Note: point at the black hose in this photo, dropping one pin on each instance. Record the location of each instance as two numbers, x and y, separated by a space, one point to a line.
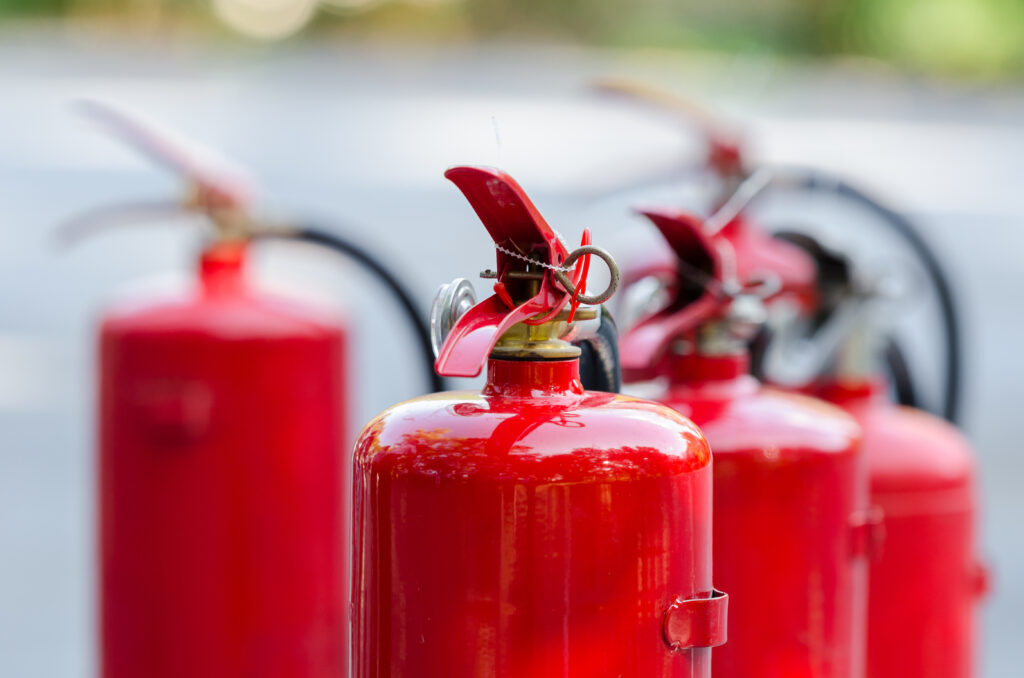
600 368
758 348
818 182
899 373
324 238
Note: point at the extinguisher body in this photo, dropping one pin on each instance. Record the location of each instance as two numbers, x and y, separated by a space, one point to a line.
789 495
533 529
221 521
926 580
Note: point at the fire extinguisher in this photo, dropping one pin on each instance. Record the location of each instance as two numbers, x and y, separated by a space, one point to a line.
922 472
791 529
222 517
532 528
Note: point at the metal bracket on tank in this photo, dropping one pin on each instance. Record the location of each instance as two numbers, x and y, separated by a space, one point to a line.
867 532
173 411
696 622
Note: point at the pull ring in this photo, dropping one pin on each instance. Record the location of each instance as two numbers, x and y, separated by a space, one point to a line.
567 284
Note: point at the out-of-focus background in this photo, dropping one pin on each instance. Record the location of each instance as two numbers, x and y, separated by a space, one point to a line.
348 111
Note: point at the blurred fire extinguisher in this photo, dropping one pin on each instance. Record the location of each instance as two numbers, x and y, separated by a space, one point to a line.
921 620
922 609
222 515
533 528
791 526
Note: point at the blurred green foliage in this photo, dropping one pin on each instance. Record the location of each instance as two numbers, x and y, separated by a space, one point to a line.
975 38
979 37
34 7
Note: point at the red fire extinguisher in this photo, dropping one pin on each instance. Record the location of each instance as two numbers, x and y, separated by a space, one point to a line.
533 528
790 493
222 517
927 579
921 620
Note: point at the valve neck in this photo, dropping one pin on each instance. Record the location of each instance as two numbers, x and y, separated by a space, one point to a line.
533 378
222 268
544 341
685 368
851 391
721 336
856 359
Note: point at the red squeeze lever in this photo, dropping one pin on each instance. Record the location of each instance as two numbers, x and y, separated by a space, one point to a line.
516 226
643 347
217 183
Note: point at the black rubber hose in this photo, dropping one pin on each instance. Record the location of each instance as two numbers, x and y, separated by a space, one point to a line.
899 373
817 182
324 238
600 368
758 347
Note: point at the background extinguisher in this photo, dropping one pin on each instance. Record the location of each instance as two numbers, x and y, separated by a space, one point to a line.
927 579
533 528
791 530
222 468
834 343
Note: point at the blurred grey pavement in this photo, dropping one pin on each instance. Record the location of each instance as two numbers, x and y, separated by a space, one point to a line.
357 136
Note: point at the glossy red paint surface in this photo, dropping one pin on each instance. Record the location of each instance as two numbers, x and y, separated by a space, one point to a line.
533 529
788 487
926 581
222 525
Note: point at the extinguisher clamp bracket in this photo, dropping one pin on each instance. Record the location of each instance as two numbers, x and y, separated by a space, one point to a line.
691 623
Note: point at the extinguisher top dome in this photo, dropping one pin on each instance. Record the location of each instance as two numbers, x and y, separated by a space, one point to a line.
538 288
216 187
223 194
710 311
522 334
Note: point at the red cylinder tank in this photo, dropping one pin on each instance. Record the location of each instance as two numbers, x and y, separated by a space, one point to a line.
926 580
534 528
222 525
790 491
